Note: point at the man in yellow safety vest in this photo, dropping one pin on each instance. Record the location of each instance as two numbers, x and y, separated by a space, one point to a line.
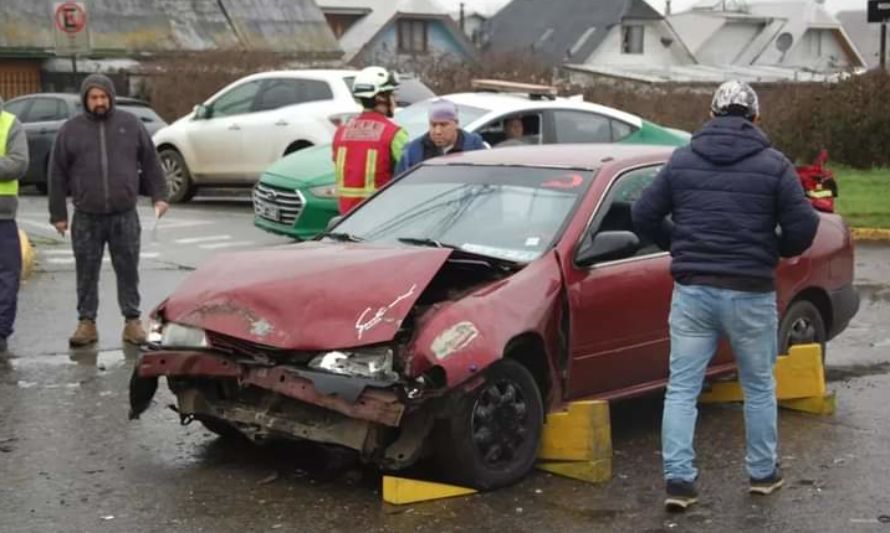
13 165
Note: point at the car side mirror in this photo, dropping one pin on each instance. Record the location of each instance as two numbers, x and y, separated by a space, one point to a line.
201 112
333 222
608 246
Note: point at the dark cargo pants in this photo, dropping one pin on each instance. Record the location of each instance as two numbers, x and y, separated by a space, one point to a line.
10 271
89 234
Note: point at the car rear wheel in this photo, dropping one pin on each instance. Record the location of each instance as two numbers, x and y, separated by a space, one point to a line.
802 324
179 179
491 439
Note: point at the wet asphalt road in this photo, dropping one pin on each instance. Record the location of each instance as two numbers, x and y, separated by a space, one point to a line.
70 460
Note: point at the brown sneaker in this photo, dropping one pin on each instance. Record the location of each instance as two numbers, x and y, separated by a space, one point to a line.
84 334
133 332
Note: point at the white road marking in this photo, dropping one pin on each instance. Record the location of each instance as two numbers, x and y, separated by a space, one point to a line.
225 245
60 251
209 238
166 223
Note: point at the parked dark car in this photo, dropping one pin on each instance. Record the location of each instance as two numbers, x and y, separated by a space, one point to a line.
452 310
42 115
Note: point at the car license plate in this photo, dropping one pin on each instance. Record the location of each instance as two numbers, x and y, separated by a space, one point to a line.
265 210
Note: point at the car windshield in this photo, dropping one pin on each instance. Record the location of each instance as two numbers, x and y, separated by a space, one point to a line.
414 118
511 213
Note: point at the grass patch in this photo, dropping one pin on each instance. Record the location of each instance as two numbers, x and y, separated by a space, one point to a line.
863 196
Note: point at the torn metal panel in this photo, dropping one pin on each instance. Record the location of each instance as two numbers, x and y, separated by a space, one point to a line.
467 335
312 297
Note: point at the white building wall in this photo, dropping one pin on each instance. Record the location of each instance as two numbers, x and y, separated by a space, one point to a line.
819 49
654 53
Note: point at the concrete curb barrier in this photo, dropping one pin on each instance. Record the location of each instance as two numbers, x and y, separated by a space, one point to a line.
28 255
870 234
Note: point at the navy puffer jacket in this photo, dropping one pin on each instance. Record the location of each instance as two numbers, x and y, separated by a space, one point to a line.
727 192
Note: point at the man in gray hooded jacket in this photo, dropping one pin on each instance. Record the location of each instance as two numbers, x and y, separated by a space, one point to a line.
100 158
13 165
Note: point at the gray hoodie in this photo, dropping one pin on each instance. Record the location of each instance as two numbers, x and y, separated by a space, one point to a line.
13 165
97 160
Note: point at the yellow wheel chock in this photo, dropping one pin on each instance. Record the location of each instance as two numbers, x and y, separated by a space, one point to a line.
800 383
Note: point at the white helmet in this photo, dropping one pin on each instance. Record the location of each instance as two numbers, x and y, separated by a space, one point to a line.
372 81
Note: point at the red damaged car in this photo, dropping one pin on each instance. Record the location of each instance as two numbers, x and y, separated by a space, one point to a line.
449 313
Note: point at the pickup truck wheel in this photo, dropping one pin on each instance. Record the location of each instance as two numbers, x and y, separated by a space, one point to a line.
491 439
179 179
802 324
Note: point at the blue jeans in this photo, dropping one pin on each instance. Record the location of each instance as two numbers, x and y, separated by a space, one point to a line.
699 316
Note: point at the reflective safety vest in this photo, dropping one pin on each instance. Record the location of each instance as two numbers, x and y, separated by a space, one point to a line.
7 188
363 157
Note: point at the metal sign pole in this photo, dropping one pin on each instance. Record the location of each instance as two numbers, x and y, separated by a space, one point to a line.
884 45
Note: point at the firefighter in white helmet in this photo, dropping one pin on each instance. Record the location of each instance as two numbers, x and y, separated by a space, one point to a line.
368 147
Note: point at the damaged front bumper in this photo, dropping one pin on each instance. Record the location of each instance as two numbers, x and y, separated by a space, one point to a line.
355 397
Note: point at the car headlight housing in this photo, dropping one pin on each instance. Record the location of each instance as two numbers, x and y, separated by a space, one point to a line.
324 191
178 335
371 363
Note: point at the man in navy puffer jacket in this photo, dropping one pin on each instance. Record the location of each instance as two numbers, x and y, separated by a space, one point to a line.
736 206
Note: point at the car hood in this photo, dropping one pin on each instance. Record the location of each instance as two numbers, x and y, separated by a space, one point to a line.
310 296
306 168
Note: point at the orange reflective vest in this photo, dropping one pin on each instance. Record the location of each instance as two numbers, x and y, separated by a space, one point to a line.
363 157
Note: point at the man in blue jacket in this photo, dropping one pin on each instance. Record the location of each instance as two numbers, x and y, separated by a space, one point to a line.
727 192
444 137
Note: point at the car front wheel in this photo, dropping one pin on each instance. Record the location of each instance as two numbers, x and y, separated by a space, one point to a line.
491 438
176 172
802 324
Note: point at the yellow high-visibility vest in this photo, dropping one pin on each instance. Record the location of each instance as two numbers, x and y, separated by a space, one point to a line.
7 188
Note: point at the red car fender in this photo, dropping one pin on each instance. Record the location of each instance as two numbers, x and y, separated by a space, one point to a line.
464 337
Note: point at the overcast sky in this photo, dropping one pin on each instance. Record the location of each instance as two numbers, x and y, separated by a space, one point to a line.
677 5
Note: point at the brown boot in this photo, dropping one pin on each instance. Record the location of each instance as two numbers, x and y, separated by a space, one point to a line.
84 334
133 332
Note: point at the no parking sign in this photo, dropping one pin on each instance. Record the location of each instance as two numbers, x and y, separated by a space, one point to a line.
71 28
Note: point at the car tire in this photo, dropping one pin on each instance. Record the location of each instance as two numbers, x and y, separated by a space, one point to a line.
802 324
179 179
219 426
492 436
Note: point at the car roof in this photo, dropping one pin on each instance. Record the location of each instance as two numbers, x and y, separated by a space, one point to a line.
577 156
316 73
74 97
507 102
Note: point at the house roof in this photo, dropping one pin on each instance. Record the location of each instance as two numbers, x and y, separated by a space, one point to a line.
704 74
551 30
379 13
698 26
865 35
297 27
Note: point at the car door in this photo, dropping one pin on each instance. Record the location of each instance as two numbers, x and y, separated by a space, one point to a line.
216 139
267 131
619 309
41 122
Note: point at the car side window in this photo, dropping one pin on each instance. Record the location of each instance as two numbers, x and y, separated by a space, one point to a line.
46 110
278 93
18 108
316 91
513 130
614 213
237 101
581 127
621 130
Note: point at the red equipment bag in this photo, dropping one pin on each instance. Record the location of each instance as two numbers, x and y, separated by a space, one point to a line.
818 183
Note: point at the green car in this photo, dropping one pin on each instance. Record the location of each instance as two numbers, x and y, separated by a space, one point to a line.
296 195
